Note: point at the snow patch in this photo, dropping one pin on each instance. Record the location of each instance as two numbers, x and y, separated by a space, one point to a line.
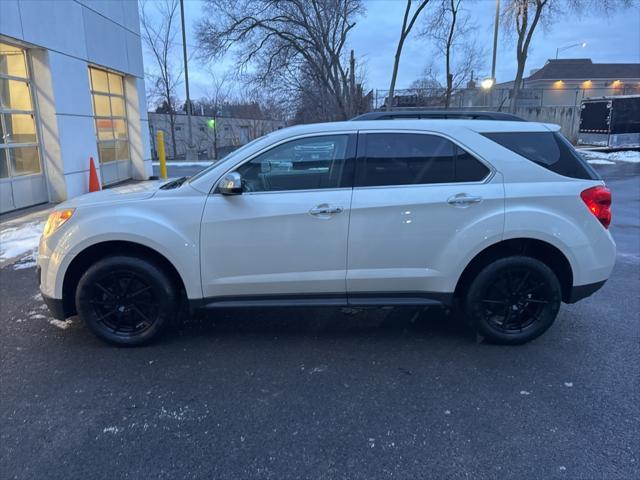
113 430
608 158
21 242
28 261
568 384
61 324
524 392
598 161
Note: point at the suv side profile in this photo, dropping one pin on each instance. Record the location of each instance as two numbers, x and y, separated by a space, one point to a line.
502 219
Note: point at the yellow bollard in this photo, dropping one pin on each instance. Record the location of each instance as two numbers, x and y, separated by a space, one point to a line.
161 155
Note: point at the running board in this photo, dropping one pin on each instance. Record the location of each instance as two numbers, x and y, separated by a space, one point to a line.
434 299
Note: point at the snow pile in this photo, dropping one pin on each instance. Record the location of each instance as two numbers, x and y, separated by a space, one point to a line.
610 158
20 242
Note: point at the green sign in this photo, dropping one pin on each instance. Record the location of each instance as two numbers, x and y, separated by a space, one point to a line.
211 123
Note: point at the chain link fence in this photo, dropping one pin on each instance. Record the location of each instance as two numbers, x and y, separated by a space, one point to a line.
559 105
496 98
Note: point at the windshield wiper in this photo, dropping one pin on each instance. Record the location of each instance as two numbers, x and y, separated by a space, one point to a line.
174 183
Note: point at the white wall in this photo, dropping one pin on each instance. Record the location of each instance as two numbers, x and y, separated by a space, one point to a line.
64 37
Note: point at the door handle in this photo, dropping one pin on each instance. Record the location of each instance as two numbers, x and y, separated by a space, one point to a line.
463 200
325 209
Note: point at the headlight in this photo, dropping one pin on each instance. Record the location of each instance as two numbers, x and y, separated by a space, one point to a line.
56 220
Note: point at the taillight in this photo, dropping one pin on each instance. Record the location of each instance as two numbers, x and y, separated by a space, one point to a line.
598 201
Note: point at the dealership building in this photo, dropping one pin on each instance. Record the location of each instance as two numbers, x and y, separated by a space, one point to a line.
71 88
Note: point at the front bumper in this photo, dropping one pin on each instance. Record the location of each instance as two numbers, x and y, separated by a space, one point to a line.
55 305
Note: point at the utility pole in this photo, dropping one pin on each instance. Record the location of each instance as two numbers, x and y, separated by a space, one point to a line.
495 41
353 107
189 151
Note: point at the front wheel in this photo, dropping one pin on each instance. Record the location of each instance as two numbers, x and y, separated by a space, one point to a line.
127 301
513 300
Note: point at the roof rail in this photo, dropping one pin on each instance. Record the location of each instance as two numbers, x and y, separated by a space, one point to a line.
438 114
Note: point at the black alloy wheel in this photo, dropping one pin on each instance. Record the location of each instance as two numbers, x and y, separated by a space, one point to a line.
514 300
126 300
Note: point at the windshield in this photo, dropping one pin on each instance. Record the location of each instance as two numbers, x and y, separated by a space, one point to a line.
227 157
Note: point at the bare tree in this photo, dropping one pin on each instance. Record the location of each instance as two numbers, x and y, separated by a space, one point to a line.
408 22
427 89
521 17
429 78
278 37
449 26
159 30
525 16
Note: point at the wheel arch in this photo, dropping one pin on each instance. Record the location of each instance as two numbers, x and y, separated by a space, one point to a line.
547 253
97 251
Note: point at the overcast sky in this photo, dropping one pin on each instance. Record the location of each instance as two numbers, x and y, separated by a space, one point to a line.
609 40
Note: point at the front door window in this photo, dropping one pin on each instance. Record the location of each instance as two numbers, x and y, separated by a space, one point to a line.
305 164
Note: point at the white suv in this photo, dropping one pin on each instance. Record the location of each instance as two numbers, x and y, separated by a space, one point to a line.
503 219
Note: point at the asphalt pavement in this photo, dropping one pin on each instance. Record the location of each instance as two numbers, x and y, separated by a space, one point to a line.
330 393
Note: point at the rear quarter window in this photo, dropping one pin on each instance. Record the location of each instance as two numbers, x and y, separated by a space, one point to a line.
547 149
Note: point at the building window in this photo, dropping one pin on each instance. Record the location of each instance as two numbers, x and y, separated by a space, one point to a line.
107 94
19 153
244 134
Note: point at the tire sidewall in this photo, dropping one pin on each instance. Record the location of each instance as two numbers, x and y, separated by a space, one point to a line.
488 274
158 280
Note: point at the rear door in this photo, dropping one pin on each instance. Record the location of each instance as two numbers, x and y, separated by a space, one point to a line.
286 234
420 204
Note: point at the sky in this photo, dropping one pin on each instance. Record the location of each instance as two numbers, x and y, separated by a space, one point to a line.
613 39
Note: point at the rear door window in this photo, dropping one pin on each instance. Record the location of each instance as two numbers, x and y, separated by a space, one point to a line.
549 150
414 159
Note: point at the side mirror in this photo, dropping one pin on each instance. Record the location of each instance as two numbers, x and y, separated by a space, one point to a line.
231 184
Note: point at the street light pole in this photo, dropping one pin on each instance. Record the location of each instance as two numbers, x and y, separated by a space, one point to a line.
495 41
562 49
186 81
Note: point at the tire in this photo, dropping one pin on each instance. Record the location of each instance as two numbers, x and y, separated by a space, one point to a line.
513 300
126 301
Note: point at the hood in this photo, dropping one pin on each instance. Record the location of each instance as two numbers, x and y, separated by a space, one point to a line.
123 193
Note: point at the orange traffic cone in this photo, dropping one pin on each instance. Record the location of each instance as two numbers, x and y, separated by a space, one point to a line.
94 183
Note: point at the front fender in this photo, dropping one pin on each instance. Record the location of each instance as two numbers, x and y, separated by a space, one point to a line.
156 226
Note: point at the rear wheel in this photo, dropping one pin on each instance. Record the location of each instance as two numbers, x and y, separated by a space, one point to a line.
126 300
513 300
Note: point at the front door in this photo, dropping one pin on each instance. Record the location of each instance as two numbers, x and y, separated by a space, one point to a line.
286 234
420 204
